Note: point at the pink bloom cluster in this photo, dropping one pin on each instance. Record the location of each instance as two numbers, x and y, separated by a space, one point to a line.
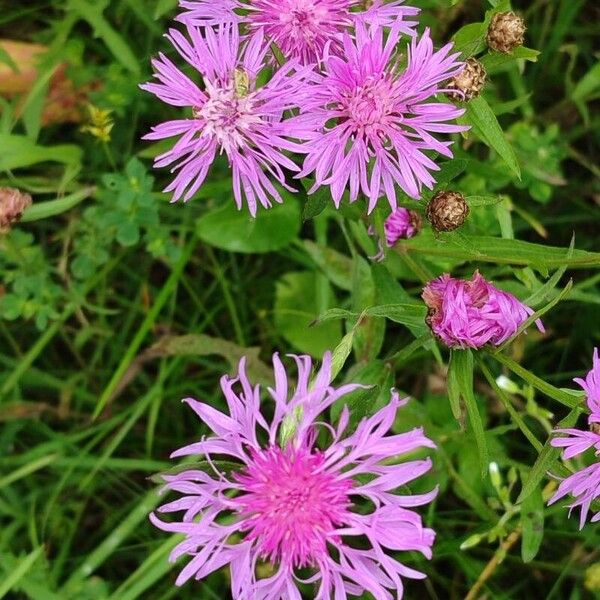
291 501
470 314
338 90
584 485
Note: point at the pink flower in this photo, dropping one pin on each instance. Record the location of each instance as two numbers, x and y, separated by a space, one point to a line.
591 386
369 123
301 29
401 224
230 114
295 503
470 314
584 485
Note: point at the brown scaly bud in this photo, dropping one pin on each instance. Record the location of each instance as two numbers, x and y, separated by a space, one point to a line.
12 205
469 82
447 211
506 32
595 428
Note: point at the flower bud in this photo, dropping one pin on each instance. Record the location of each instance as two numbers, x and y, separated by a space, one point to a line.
469 82
447 211
12 205
595 428
506 32
402 224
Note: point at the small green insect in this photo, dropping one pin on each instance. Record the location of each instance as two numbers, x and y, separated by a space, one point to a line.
242 83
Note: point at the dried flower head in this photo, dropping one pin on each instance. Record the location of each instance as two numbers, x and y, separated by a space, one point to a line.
447 211
13 203
402 224
469 82
506 32
470 314
231 114
301 29
296 504
369 125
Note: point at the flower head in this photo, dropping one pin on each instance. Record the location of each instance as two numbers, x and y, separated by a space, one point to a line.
591 386
293 502
230 115
402 224
584 485
470 314
372 122
301 29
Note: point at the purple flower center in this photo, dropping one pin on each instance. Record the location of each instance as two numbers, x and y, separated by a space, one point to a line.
301 28
226 115
366 108
291 505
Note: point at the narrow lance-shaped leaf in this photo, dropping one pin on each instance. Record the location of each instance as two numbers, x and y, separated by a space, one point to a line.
483 119
461 372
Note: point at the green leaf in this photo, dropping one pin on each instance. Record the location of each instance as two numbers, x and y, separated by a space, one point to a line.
103 29
51 208
570 399
504 251
532 522
482 117
477 201
450 170
587 85
163 7
336 266
235 230
470 39
295 311
20 570
496 60
128 233
19 151
546 459
411 315
317 203
341 353
460 372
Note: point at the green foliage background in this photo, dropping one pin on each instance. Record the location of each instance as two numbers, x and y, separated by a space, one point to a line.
116 304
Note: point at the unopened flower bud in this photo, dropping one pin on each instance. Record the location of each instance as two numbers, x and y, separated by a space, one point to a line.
506 32
595 428
447 211
12 205
469 82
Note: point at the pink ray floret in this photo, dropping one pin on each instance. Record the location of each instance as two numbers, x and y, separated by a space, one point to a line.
301 29
584 485
296 504
230 114
369 122
470 314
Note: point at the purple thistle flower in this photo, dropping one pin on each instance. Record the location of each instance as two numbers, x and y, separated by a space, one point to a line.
369 122
584 485
230 114
290 501
301 29
470 314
